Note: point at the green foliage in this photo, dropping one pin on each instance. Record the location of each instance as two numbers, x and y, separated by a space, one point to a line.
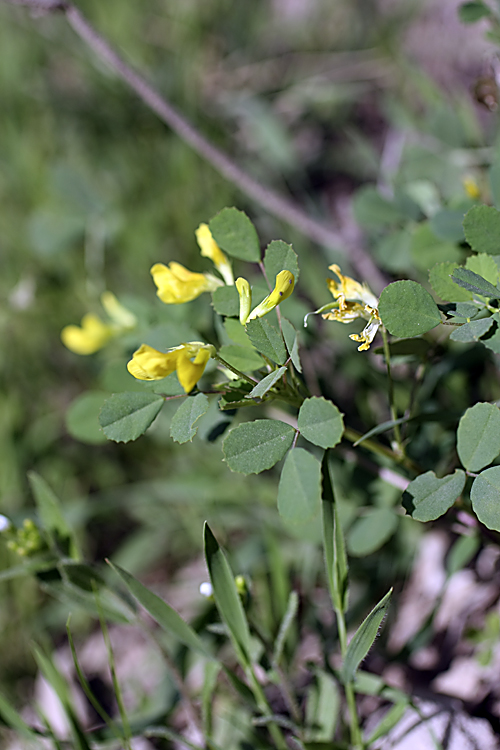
166 617
278 257
482 229
407 309
485 497
473 11
440 278
475 283
267 340
253 447
226 301
183 426
235 234
82 418
226 597
126 416
241 357
320 422
371 531
266 383
364 637
299 491
478 436
428 498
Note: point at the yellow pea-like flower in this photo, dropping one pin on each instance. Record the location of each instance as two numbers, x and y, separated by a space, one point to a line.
88 338
352 300
285 282
210 249
245 293
93 333
176 284
188 360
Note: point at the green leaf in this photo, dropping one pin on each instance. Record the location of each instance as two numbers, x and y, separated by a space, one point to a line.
333 542
253 447
478 436
493 342
126 416
444 286
280 257
372 210
462 552
484 265
371 531
226 596
447 225
226 301
391 718
320 422
485 497
51 516
407 309
13 719
363 639
482 229
473 11
237 333
494 180
299 491
235 234
426 249
267 339
292 342
166 617
61 687
241 357
82 418
182 426
322 708
266 383
428 498
475 283
472 331
285 626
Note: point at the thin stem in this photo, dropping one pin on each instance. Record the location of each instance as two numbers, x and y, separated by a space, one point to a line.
355 731
390 387
264 706
225 364
282 208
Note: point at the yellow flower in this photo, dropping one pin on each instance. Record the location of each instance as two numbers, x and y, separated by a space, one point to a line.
352 300
285 282
188 360
210 249
471 187
93 334
176 284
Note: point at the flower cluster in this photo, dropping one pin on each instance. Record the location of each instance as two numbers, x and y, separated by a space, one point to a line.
352 300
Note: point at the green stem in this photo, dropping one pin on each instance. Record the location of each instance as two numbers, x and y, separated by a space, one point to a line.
356 739
234 370
390 385
274 729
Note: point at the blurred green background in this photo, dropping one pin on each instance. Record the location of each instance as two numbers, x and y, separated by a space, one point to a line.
306 96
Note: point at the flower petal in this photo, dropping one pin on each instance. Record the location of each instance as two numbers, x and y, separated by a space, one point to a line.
176 284
367 334
91 337
150 364
118 314
245 293
189 372
210 249
285 282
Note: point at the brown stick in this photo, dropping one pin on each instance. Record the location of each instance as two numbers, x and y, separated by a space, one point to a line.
283 208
